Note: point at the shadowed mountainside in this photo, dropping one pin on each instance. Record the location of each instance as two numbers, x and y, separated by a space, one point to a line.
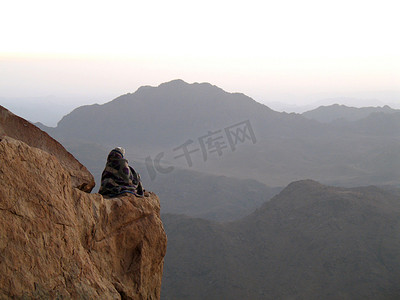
284 148
340 113
309 242
210 197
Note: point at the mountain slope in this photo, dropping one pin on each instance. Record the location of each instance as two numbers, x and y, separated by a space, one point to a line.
167 115
217 198
336 112
309 242
230 134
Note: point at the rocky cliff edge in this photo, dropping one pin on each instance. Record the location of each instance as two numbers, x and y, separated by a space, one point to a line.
18 128
58 241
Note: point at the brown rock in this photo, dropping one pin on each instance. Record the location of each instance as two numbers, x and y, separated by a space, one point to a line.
20 129
57 241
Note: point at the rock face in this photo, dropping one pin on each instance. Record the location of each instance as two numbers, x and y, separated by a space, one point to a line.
57 241
20 129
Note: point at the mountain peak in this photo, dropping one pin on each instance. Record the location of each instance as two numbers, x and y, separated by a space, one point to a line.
181 84
305 183
174 83
311 195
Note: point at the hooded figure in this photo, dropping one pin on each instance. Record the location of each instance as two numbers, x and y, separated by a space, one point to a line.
118 177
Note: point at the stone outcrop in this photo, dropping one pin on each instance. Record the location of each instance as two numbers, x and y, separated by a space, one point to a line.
59 242
20 129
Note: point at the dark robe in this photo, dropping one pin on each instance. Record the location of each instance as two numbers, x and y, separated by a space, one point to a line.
118 177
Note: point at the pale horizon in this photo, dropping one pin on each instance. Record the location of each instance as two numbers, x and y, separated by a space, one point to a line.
286 52
50 109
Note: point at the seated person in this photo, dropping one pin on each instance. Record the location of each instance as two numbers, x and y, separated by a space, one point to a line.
118 177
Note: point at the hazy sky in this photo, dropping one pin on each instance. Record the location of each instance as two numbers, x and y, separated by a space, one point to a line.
296 51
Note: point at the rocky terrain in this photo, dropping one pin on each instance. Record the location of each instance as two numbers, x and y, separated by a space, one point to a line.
59 241
311 241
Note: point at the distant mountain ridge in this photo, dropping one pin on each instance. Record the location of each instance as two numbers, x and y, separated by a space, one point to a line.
166 114
286 147
309 242
336 112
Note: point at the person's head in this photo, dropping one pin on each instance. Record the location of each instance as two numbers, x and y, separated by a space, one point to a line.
120 150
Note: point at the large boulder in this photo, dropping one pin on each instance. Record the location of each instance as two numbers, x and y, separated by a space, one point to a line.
57 241
20 129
